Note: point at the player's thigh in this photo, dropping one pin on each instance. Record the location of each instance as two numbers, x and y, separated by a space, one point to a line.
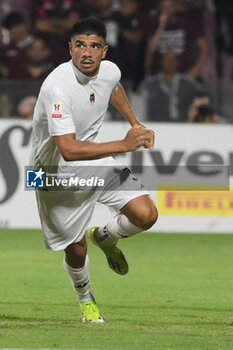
122 187
64 217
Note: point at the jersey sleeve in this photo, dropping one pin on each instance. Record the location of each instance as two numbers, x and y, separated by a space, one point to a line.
58 106
115 74
117 79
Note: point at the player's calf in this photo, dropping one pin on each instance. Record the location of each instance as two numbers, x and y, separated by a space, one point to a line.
80 280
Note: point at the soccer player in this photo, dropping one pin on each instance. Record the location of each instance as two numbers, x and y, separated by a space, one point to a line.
69 112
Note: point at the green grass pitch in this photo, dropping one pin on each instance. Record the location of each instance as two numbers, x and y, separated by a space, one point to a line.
177 295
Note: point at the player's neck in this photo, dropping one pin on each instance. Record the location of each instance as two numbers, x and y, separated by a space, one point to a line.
81 77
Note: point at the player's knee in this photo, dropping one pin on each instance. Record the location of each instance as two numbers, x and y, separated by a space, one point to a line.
148 217
79 250
76 254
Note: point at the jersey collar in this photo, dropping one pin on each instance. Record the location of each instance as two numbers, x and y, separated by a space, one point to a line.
82 78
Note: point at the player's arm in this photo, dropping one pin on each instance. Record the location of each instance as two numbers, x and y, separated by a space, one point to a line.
72 149
120 101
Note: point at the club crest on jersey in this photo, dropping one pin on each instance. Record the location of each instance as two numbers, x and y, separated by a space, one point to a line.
92 97
56 111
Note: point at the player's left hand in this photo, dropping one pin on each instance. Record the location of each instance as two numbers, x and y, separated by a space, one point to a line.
149 139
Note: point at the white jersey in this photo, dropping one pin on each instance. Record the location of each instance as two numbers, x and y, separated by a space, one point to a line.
70 102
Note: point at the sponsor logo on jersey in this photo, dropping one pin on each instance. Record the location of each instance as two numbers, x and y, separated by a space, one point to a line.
56 107
56 113
92 97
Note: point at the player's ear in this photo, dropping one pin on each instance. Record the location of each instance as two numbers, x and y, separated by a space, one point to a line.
105 51
70 48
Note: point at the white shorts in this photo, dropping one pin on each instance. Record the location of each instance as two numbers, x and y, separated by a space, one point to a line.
65 215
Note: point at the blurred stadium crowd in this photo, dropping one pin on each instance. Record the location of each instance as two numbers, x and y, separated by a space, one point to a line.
176 56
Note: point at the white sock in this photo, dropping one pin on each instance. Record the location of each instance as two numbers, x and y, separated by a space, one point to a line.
104 237
80 280
120 227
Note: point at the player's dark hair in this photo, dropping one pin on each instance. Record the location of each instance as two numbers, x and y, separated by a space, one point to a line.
13 19
89 26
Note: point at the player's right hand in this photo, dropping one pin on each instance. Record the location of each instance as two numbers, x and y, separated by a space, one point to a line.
137 137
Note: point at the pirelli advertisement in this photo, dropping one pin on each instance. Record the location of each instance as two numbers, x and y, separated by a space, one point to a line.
189 175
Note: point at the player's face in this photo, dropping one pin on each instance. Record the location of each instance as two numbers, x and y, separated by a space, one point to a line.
87 51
